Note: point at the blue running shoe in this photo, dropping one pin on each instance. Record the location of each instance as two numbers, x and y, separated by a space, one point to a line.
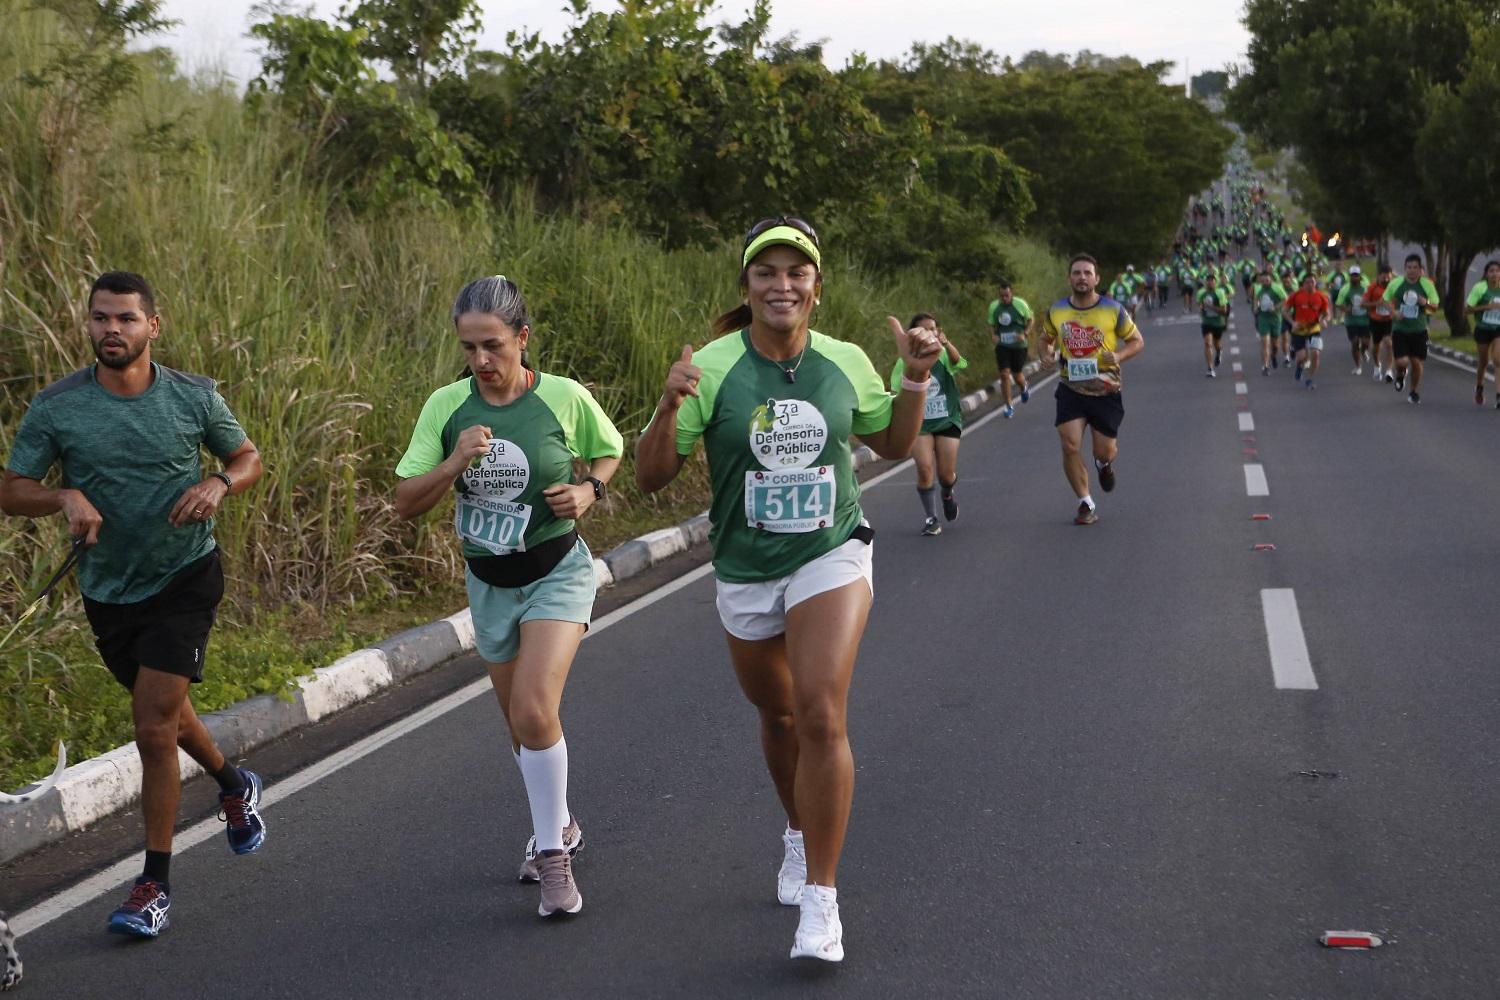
1025 394
241 811
1008 411
144 914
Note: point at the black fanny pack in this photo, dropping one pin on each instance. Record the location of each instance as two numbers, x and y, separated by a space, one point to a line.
522 568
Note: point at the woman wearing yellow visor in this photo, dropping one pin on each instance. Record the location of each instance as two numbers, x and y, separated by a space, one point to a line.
775 404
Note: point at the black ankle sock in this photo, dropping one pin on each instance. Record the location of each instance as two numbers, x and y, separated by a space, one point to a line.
229 777
158 866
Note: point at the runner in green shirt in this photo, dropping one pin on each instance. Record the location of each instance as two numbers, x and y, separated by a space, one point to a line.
1351 302
1268 297
1214 308
127 435
1011 323
942 426
1484 304
1415 299
503 440
775 403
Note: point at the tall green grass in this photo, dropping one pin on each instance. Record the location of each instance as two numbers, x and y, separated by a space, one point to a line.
327 332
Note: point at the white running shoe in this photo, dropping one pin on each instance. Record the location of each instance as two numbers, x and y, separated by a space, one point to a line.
793 874
1376 373
819 933
1358 370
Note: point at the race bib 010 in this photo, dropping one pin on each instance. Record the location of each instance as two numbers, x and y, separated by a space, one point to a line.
498 526
790 501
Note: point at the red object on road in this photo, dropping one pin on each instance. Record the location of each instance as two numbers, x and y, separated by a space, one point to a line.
1260 517
1265 547
1350 939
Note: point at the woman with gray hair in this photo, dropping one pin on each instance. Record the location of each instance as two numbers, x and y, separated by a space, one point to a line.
504 439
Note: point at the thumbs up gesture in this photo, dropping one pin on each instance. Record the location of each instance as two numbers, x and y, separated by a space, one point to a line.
682 379
919 348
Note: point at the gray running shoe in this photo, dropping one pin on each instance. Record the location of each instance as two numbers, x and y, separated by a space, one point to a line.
572 837
1106 476
559 891
931 527
1086 514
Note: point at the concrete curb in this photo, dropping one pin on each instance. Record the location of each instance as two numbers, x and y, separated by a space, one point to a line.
95 788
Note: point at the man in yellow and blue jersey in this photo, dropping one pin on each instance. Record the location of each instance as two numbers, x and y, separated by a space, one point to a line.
1092 335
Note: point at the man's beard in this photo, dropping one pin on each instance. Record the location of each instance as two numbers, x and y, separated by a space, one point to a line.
120 361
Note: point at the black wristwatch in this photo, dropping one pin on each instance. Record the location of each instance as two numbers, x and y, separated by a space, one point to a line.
598 485
224 478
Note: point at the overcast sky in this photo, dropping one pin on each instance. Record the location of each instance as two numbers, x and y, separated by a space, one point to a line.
1206 33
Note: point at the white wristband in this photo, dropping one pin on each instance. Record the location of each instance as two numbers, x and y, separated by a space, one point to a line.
910 386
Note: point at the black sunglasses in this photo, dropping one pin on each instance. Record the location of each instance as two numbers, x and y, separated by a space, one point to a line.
801 225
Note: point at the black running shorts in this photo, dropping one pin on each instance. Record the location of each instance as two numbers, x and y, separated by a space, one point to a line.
1217 332
1010 357
1379 330
168 631
1409 345
951 431
1483 337
1102 413
1357 332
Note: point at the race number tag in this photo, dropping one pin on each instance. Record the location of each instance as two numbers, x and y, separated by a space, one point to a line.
1490 317
1266 304
790 501
1010 339
1316 343
937 401
498 526
1357 307
1409 306
1082 369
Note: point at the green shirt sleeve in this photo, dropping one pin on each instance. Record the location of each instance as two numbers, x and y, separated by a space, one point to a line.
1022 309
425 452
35 446
589 433
994 312
872 411
222 433
1391 289
1476 294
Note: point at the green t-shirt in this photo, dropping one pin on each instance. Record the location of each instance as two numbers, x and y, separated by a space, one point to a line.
1213 306
1352 296
1410 317
1009 321
1483 294
133 457
499 507
943 409
784 491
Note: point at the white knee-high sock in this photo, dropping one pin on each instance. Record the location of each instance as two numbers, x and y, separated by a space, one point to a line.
546 775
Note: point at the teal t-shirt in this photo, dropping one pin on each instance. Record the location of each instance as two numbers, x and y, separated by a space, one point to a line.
779 460
499 508
133 457
1009 321
943 408
1483 294
1410 316
1213 306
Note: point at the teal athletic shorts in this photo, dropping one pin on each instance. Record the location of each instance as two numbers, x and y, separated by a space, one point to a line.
566 595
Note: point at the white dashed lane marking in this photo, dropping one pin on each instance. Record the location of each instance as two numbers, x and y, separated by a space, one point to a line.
1290 664
1255 480
1247 422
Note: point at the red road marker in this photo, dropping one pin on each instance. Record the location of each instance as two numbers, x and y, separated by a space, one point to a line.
1360 940
1264 547
1250 451
1260 517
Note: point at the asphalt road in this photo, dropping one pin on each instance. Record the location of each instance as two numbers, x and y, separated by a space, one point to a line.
1077 776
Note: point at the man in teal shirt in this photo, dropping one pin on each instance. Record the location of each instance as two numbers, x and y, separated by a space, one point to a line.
126 434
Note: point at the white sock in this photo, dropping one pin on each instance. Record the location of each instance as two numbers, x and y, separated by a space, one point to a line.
546 775
822 893
1088 499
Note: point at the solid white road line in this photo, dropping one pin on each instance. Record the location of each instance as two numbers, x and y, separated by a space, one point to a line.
116 875
1247 422
1459 365
1255 480
1290 664
1241 388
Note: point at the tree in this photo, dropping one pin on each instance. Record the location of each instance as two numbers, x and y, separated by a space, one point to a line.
418 39
1211 83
